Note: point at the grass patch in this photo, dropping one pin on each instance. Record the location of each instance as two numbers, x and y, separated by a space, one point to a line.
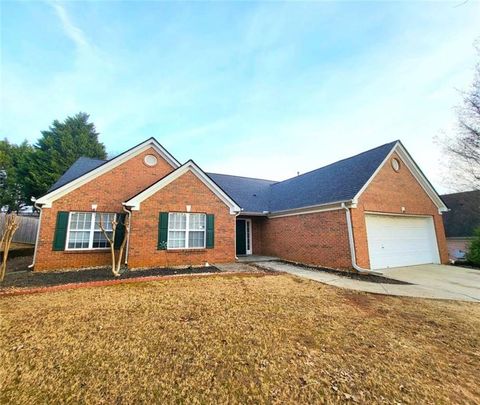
237 340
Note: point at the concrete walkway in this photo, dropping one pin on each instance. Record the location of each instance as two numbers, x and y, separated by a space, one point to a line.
432 281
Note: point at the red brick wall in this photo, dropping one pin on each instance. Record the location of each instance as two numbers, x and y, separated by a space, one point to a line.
108 191
388 192
186 190
318 239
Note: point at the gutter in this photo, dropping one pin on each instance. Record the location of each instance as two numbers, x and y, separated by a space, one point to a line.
351 242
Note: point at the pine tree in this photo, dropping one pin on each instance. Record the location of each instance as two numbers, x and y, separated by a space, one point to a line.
61 145
13 158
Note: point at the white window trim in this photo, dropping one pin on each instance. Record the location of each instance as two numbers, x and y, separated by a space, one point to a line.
187 231
92 231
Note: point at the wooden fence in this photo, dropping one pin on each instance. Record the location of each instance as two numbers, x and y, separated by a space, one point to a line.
27 230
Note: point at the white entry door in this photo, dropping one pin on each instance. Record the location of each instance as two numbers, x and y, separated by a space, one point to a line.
395 241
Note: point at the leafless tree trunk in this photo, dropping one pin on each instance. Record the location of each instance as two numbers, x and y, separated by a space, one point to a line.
11 226
463 149
116 260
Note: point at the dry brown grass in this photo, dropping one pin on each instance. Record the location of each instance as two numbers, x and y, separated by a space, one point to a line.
272 339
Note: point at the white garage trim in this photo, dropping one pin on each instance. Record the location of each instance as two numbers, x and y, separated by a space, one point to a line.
400 240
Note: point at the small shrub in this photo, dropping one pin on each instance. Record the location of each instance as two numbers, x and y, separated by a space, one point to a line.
473 255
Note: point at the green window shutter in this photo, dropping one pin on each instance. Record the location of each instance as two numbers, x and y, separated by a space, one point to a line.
60 236
210 231
120 232
162 231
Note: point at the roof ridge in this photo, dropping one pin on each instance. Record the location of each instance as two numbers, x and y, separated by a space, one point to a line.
90 158
338 161
242 177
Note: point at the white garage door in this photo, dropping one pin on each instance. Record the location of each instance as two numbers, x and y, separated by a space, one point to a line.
395 241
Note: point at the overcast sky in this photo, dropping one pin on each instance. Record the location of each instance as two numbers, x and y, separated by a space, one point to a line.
255 89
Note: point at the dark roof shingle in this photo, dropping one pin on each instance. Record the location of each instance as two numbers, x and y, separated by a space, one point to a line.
251 194
464 214
81 166
339 181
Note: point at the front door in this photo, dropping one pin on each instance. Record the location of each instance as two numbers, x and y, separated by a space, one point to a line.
241 237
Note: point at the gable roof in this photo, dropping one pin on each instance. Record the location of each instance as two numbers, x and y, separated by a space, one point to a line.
342 181
252 195
106 166
81 166
337 182
190 166
464 214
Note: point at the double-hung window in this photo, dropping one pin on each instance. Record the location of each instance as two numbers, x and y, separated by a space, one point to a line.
186 230
84 230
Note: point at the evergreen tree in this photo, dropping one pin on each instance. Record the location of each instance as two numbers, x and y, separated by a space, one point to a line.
61 145
13 158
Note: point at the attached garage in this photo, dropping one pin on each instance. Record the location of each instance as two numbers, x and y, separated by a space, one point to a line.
395 240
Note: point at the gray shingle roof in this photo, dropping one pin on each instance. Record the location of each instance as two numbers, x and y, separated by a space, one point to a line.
464 214
339 181
81 166
251 194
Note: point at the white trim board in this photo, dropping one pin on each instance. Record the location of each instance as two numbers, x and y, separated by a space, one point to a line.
134 203
47 200
311 209
416 172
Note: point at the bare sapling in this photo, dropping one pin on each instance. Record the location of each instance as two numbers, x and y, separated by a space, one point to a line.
11 226
116 258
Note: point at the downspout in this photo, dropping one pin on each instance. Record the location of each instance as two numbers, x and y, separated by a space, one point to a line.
351 242
129 213
38 234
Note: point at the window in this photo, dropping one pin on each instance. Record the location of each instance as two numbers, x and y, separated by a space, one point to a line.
84 230
186 231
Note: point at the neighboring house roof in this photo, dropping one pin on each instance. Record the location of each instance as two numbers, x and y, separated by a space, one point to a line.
251 194
81 166
464 214
135 201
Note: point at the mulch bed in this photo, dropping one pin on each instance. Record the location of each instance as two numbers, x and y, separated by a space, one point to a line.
371 278
30 279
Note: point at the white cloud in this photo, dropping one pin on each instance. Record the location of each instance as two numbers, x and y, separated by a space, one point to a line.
72 31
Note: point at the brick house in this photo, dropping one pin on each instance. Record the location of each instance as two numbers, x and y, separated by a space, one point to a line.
370 211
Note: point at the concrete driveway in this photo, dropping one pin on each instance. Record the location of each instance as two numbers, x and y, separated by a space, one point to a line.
427 281
449 279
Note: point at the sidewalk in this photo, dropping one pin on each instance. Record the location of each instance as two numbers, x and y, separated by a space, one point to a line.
413 290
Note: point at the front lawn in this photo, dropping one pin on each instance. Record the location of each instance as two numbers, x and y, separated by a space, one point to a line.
236 339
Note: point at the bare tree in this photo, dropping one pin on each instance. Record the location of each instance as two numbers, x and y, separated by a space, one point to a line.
463 149
110 237
11 226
